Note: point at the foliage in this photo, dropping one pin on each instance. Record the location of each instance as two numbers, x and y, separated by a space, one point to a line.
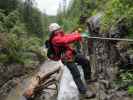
130 89
21 32
70 18
20 50
10 20
127 76
125 80
2 27
78 9
116 11
33 19
9 5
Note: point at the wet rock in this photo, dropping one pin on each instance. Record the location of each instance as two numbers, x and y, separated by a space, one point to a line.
119 95
8 73
6 88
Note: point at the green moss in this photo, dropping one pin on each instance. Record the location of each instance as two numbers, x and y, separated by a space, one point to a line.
130 89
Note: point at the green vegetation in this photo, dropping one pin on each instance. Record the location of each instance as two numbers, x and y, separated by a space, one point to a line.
22 32
114 11
130 89
70 18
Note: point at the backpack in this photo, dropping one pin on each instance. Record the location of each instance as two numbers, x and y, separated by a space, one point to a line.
50 50
51 53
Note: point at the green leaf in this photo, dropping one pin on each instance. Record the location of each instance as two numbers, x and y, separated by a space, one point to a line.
130 89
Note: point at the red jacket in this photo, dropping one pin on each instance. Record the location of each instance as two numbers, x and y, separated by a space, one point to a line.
61 39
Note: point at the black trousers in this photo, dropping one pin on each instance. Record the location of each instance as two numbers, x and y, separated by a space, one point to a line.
84 62
79 59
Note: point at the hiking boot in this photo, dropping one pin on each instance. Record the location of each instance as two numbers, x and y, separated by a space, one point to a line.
87 95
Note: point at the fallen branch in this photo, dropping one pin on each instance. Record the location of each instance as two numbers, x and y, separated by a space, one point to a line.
41 81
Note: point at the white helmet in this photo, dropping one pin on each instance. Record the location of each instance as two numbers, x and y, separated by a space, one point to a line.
54 27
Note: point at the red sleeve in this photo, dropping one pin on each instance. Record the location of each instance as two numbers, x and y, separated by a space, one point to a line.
66 39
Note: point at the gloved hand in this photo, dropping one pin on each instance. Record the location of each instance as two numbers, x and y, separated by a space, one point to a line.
85 35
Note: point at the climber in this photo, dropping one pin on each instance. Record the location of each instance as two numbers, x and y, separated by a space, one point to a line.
59 49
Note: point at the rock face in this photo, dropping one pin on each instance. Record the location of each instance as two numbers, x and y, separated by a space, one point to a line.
6 88
103 58
103 52
8 76
7 72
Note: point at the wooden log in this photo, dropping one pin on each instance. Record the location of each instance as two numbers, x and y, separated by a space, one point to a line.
41 80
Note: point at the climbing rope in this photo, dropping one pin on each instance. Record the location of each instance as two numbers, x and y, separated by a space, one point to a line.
111 39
